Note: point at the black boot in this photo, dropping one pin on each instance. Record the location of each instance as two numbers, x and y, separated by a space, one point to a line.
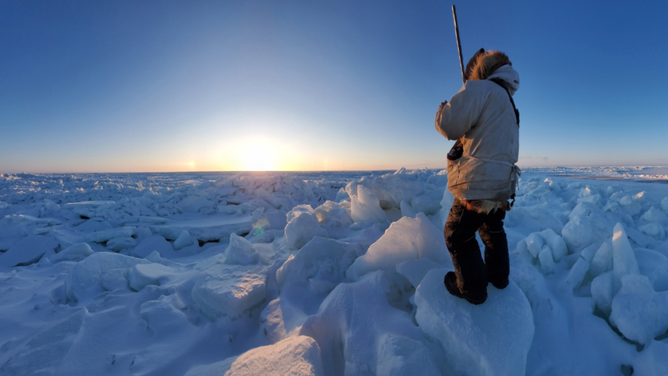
450 281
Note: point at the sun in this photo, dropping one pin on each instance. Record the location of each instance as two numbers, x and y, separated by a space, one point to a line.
258 157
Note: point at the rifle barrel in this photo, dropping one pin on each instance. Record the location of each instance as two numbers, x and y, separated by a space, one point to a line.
459 44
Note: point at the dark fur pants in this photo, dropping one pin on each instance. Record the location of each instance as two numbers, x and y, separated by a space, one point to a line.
460 228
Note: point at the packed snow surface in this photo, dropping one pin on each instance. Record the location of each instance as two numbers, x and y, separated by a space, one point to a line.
327 274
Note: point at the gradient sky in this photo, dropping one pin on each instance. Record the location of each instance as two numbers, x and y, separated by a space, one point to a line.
132 86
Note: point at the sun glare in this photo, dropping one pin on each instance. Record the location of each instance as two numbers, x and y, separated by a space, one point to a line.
259 157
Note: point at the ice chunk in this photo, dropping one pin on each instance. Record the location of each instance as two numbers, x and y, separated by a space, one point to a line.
546 261
581 231
302 226
428 203
577 273
535 243
228 290
351 322
415 270
653 215
489 339
241 252
601 292
589 252
106 235
152 244
406 239
298 355
333 214
602 260
115 279
164 314
654 230
623 259
76 252
406 209
638 312
119 244
85 276
556 243
365 207
320 264
143 275
632 206
654 265
27 251
184 240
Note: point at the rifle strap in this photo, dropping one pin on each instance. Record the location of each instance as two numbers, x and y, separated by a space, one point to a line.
499 82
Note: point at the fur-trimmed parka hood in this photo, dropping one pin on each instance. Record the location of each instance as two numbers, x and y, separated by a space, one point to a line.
485 65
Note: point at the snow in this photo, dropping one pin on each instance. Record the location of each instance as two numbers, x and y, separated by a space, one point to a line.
332 273
296 356
490 339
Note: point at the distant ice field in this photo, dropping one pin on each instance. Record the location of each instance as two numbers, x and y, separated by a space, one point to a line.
327 273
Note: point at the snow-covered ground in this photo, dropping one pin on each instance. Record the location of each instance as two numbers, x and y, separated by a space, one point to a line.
326 274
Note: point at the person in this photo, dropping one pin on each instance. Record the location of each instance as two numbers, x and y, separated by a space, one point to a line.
482 174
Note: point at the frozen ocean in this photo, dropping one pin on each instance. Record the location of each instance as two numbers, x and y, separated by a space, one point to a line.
327 273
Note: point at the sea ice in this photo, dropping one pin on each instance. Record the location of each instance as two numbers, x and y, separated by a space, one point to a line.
493 338
602 292
546 261
352 321
320 265
654 215
76 252
638 312
295 356
27 251
142 275
184 240
535 243
365 207
119 244
654 265
405 239
556 243
428 203
85 276
577 273
623 259
602 260
229 290
241 252
302 226
106 235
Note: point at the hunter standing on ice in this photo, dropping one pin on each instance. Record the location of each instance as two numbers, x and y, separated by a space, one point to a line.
481 173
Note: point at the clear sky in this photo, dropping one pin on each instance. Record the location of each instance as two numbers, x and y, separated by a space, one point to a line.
131 86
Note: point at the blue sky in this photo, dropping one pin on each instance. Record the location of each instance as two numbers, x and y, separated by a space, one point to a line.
318 85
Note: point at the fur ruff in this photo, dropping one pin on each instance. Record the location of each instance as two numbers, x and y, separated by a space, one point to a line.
486 206
486 63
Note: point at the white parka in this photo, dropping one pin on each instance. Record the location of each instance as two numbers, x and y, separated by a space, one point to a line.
482 116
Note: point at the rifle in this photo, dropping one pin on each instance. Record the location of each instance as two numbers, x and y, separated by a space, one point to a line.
458 148
459 44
